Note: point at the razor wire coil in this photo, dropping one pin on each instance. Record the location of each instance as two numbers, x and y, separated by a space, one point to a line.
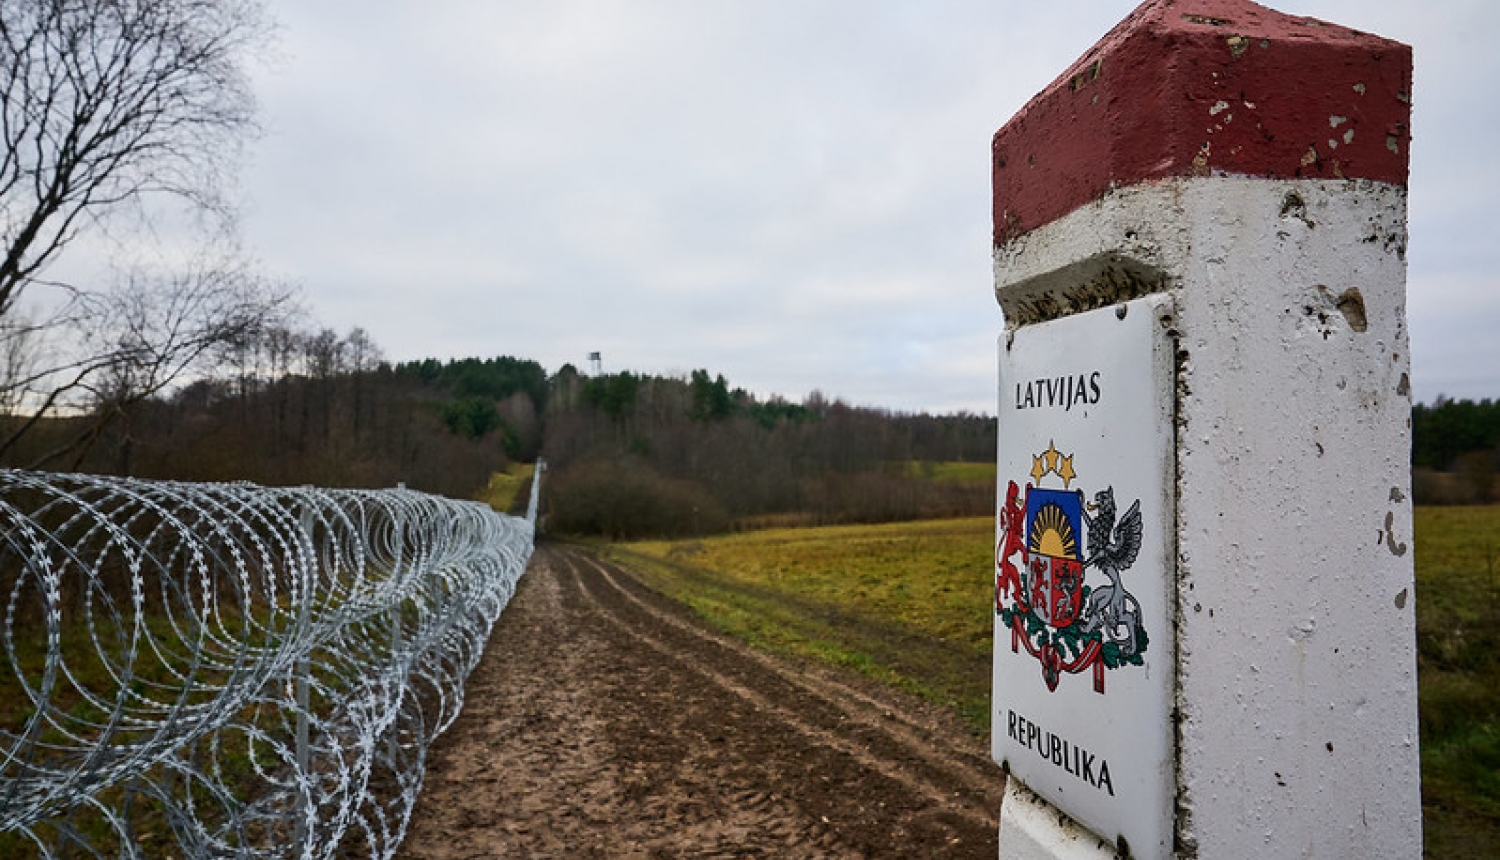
230 670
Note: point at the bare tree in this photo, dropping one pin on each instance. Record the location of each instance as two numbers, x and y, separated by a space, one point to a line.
107 105
127 343
19 359
364 354
103 101
324 355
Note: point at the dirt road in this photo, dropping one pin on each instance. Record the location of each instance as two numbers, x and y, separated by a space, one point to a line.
604 722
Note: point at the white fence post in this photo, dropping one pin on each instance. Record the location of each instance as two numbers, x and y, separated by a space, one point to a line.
1204 612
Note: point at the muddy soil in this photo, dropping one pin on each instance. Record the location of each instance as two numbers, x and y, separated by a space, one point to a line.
605 722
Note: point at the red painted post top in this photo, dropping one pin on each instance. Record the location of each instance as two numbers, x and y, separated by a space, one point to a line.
1202 88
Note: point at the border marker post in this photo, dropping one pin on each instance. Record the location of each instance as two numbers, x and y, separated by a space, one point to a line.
1204 588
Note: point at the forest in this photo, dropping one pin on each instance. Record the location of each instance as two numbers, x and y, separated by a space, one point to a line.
630 455
636 455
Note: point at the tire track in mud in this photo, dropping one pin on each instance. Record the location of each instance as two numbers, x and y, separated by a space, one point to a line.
927 767
605 722
887 645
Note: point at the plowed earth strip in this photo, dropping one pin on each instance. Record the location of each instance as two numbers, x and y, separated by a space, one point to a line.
605 721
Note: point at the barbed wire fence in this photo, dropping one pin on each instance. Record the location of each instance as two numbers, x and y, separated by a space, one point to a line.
230 670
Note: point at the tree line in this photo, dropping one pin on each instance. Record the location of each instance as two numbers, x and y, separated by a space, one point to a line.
629 454
293 407
1455 451
636 455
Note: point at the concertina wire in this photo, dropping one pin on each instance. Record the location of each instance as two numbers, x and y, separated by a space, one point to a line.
229 670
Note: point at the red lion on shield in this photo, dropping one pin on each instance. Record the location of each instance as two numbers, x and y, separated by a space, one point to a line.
1012 541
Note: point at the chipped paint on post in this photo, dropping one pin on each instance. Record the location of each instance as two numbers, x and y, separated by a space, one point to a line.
1205 88
1283 265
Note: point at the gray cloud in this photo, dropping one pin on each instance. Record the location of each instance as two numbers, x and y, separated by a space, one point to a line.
795 195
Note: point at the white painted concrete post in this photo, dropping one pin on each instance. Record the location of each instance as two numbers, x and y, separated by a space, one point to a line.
1236 180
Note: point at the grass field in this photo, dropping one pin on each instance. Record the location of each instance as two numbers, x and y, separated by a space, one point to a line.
906 603
503 491
953 471
1458 664
909 604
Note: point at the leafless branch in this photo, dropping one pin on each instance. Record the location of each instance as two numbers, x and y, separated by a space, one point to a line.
103 101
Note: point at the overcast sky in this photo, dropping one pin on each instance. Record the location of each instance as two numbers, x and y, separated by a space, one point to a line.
793 194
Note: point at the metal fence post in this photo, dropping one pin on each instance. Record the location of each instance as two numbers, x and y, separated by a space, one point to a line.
304 799
536 490
393 743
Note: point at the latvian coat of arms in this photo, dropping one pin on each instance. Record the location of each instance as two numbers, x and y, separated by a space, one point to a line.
1050 542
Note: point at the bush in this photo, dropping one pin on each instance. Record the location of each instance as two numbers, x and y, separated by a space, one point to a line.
1431 487
623 499
889 496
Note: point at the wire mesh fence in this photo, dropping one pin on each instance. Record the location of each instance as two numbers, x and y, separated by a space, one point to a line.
229 670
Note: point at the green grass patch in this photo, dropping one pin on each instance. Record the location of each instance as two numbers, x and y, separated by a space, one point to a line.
504 488
1458 672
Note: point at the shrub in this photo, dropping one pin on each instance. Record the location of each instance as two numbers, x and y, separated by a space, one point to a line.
624 499
1431 487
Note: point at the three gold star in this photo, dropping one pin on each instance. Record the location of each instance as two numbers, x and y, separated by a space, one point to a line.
1054 462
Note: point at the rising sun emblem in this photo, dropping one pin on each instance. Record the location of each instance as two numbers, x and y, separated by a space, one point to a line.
1052 533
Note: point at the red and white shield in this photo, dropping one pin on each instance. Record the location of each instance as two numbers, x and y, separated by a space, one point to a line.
1056 589
1054 563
